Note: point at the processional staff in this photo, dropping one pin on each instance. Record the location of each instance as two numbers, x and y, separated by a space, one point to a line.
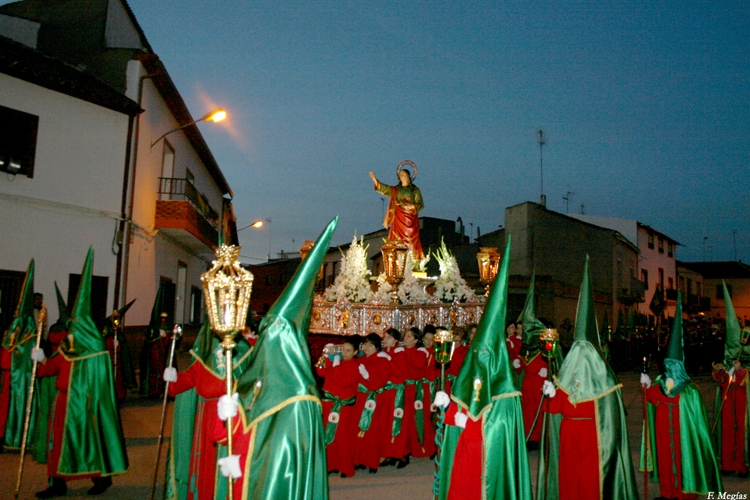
34 364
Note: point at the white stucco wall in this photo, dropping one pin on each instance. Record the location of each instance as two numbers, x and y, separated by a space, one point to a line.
73 200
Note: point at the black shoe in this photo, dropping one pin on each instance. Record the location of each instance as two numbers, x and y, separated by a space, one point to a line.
334 471
432 457
532 446
58 489
373 471
101 484
359 467
343 475
743 475
403 463
388 462
2 444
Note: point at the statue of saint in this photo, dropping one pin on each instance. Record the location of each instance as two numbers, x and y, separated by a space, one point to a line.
405 201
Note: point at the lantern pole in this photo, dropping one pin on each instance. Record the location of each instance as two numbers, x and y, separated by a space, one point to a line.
444 348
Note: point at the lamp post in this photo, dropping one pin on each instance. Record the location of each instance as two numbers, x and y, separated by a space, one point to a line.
226 288
216 115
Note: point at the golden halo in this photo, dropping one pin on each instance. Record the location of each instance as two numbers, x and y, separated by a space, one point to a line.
408 163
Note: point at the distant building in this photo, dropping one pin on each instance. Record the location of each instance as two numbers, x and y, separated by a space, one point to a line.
554 247
736 275
81 80
657 263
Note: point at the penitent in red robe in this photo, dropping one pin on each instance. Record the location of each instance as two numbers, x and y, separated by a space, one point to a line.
415 363
394 446
531 396
668 450
366 444
733 420
341 381
578 473
203 457
466 475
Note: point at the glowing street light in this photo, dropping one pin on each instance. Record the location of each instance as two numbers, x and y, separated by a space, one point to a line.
216 115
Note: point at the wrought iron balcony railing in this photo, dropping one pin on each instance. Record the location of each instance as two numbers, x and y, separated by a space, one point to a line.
181 189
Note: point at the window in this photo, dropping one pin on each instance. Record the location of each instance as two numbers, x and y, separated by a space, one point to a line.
18 132
189 176
670 249
661 245
195 305
720 291
644 278
651 241
660 281
167 172
670 282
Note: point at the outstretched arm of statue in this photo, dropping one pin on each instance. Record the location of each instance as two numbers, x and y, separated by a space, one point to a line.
374 179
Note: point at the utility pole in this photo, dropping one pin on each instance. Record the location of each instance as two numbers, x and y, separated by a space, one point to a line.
705 239
583 209
734 237
542 141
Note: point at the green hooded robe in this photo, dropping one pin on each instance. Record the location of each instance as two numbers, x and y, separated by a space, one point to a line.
585 376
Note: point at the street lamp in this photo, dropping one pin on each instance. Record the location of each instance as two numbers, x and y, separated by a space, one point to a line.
216 115
256 224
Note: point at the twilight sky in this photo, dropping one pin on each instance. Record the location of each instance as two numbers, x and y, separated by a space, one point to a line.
645 106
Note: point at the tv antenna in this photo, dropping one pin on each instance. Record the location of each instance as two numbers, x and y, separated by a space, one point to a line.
542 141
568 196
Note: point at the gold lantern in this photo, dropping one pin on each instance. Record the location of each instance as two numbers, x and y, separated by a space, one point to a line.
445 344
226 288
549 339
488 261
394 259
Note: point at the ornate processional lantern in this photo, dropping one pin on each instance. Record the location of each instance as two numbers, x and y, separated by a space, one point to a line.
549 339
226 288
488 261
394 259
444 346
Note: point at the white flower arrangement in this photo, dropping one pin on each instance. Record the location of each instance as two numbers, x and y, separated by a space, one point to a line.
383 293
411 291
352 284
450 286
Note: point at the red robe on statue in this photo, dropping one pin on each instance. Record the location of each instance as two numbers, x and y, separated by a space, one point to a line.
204 456
733 419
341 381
366 444
578 470
668 450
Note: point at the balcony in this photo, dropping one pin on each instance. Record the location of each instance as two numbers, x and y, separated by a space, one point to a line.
632 294
184 214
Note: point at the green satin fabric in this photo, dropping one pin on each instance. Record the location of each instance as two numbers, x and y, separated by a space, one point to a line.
398 403
288 459
532 327
330 427
451 433
700 469
20 382
733 347
44 399
365 418
615 462
584 375
432 384
418 414
506 468
487 359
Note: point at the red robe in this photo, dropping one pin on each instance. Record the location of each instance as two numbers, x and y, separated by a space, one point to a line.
341 381
415 363
240 446
394 446
578 470
203 457
58 366
531 395
514 344
366 445
668 451
454 367
733 419
5 365
466 475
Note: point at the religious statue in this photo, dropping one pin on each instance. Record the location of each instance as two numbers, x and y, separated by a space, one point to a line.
405 202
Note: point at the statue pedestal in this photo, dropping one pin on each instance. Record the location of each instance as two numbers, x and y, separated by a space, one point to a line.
345 318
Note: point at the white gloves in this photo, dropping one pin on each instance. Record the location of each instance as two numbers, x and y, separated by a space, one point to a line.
230 466
398 349
442 399
645 380
460 419
170 374
543 373
116 343
162 333
731 372
336 361
424 350
227 407
548 388
516 363
363 372
37 354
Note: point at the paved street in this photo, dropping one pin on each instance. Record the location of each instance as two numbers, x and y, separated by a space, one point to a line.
141 427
